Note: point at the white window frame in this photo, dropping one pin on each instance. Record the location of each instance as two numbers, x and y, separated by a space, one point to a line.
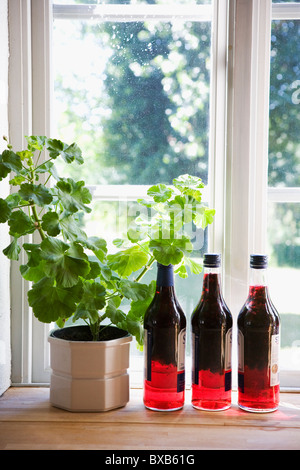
239 144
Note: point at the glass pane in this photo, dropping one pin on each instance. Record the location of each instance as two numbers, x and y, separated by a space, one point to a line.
135 97
284 276
284 144
284 171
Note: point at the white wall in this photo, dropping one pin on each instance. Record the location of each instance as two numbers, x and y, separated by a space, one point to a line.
5 352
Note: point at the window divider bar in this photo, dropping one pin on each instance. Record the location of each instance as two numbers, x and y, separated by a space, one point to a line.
284 194
128 12
286 11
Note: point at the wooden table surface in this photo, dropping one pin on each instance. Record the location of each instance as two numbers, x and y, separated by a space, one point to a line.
29 422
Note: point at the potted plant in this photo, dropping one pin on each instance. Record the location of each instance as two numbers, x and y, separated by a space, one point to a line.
72 276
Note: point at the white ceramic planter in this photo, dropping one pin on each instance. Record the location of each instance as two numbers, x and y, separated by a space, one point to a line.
89 375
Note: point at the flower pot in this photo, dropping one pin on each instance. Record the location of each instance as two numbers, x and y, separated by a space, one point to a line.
89 375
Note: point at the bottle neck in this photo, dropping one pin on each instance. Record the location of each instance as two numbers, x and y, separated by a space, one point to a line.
165 278
258 284
258 277
212 282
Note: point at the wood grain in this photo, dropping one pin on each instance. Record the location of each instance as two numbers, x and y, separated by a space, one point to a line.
29 422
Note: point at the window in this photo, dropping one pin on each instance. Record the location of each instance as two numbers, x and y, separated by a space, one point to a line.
201 75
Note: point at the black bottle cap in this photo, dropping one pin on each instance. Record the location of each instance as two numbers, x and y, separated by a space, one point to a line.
212 260
258 261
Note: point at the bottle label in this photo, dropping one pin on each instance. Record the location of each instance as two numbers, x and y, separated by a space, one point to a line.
274 363
274 373
181 361
228 349
241 361
181 351
195 359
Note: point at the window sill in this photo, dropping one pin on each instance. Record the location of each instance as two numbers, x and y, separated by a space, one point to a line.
29 422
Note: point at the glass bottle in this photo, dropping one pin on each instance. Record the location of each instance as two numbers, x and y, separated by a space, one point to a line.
164 346
258 344
211 342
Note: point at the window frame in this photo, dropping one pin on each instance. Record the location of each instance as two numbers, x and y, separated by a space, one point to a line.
239 100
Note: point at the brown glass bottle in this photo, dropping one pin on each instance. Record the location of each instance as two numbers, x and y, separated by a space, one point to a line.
211 343
164 346
258 344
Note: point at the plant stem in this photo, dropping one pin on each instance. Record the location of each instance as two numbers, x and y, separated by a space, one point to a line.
148 266
38 225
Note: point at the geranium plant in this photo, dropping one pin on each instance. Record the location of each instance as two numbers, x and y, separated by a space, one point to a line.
73 275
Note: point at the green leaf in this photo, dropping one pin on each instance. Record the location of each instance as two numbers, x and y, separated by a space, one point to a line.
181 271
93 299
98 246
12 251
128 261
50 223
135 317
4 211
95 270
160 192
39 194
70 226
69 153
133 290
61 263
113 313
33 273
166 253
9 161
36 142
203 217
51 302
45 167
189 185
73 195
137 232
33 251
17 180
13 200
20 224
194 266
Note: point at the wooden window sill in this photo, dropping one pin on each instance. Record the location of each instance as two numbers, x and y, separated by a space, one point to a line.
29 422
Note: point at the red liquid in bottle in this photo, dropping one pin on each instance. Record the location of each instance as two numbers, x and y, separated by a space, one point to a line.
212 338
258 344
164 348
161 392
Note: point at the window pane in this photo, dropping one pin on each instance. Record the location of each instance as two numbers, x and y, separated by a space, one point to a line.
135 97
284 276
284 144
284 172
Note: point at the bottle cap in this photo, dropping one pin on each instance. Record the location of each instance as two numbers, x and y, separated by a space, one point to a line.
212 260
258 261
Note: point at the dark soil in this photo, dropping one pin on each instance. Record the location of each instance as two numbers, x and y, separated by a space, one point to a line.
83 333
